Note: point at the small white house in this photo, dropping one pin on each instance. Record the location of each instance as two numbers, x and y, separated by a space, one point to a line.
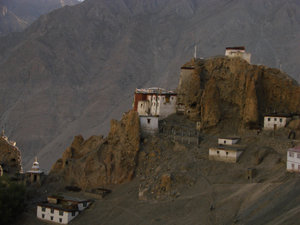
238 52
228 141
149 124
274 121
225 153
293 159
61 209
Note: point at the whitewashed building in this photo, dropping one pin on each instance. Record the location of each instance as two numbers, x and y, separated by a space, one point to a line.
238 52
228 140
149 124
274 121
226 153
293 159
61 209
154 102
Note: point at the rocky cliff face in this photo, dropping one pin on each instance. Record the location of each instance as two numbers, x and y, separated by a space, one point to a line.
100 161
220 90
10 156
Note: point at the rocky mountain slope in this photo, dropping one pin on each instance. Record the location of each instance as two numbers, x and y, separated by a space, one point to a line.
222 89
10 156
77 67
98 161
16 15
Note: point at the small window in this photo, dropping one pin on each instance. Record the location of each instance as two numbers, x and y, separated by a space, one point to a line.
84 204
298 156
226 153
224 142
269 119
52 211
218 152
51 217
60 220
73 213
148 121
43 209
280 120
43 216
293 166
275 119
291 154
61 213
171 98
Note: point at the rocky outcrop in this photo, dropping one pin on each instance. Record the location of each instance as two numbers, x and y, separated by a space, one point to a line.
10 156
222 89
101 161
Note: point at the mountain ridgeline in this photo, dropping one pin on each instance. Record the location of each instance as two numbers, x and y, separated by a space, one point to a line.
77 67
16 15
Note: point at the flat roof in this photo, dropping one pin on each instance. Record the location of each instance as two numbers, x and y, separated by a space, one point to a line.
229 147
277 115
295 149
230 138
66 208
236 48
69 199
154 90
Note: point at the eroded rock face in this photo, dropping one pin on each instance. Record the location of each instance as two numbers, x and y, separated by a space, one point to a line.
223 89
100 161
10 156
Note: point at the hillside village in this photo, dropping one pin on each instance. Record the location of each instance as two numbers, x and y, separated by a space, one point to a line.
221 126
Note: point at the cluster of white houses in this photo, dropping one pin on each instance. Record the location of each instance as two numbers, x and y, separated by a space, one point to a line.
61 209
227 150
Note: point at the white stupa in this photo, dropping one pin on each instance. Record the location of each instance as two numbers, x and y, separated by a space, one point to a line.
35 167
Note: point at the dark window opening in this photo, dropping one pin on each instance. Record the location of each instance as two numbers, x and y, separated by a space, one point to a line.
43 215
52 210
218 152
226 153
269 119
60 220
224 142
275 119
280 120
43 209
51 217
84 204
73 213
34 178
61 213
148 121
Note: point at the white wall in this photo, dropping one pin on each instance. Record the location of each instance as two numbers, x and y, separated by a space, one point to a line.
66 217
143 108
293 158
157 105
149 124
231 156
238 53
227 141
270 121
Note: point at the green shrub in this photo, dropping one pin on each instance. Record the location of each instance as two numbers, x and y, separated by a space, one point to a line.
12 200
